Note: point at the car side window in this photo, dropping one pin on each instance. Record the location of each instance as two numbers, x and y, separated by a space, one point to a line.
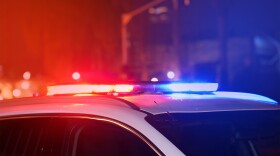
31 137
101 138
54 136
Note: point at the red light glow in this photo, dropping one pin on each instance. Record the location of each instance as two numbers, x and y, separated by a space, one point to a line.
80 89
102 88
69 89
123 88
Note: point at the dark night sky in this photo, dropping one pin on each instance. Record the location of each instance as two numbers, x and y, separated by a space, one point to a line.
242 17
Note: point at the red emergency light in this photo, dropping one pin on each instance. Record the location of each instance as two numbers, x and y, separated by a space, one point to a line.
84 88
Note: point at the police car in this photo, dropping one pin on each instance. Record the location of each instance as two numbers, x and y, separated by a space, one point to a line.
170 119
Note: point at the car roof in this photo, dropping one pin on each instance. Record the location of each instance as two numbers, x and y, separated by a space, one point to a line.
194 103
64 102
86 106
148 103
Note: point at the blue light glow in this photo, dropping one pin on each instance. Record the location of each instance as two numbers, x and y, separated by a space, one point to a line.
192 87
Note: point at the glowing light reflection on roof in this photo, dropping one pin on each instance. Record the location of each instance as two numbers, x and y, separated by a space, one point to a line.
245 96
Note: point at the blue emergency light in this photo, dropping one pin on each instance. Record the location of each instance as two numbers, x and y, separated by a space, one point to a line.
190 87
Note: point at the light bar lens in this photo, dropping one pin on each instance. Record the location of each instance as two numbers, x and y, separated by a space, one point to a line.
80 89
69 89
191 87
102 88
123 88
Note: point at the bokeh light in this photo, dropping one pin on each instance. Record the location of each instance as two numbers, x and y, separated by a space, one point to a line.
26 75
170 75
76 75
154 79
16 92
25 85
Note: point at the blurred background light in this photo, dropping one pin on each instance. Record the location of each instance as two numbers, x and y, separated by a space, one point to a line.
26 75
25 85
16 93
76 76
154 79
170 75
187 2
158 10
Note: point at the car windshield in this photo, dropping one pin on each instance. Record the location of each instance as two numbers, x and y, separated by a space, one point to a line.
222 133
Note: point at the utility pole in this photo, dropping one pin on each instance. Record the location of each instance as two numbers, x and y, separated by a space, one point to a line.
125 19
175 37
222 37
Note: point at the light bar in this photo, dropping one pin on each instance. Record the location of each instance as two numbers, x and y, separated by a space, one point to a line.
135 88
83 89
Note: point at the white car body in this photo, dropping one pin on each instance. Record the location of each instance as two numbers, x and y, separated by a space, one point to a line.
132 110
